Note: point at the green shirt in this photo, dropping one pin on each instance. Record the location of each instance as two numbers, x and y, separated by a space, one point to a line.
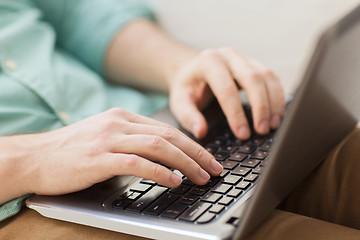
51 65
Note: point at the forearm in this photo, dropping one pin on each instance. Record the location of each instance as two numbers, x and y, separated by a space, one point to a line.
141 55
14 167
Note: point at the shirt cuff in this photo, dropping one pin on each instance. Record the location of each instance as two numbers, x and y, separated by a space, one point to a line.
12 207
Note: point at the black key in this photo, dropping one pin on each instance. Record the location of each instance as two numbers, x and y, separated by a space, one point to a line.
148 181
174 210
134 195
224 173
199 190
140 187
258 170
206 217
226 201
265 146
221 156
227 164
187 181
251 177
243 185
229 148
259 154
257 141
213 181
180 189
235 193
238 157
146 199
231 179
161 204
211 148
216 208
246 149
195 211
219 142
222 188
241 171
252 163
211 197
189 198
121 203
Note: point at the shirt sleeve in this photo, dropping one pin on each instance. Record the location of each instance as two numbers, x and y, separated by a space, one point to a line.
11 208
85 28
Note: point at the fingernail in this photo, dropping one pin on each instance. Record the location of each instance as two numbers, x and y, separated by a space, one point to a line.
204 175
244 132
275 121
264 127
176 179
216 166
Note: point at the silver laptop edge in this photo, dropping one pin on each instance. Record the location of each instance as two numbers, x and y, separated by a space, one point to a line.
322 113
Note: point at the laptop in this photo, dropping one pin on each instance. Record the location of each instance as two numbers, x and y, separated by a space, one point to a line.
258 173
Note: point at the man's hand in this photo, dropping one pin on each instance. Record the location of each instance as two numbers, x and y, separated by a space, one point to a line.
112 143
217 72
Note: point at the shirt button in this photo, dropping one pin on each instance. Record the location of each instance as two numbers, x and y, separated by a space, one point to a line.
11 64
64 116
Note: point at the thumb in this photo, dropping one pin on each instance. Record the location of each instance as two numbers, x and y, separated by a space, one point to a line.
189 116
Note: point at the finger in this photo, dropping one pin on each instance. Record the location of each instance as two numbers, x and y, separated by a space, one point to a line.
182 142
135 118
130 164
275 93
225 90
254 85
188 114
158 149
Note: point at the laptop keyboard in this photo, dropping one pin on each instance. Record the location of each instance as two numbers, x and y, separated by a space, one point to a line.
243 163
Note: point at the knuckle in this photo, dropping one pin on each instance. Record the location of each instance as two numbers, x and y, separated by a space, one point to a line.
227 50
131 161
116 111
199 152
155 142
256 77
157 172
168 133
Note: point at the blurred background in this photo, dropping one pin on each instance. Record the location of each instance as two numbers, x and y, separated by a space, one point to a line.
279 33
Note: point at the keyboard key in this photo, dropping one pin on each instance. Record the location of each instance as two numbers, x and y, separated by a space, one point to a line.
148 181
229 148
211 197
180 189
206 217
241 171
231 179
224 173
227 164
187 181
259 154
211 148
251 177
226 201
257 141
213 181
252 163
174 210
140 187
140 204
134 195
258 170
161 204
235 193
199 190
195 211
121 203
189 199
238 157
243 185
265 146
219 142
216 208
221 156
246 149
222 188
